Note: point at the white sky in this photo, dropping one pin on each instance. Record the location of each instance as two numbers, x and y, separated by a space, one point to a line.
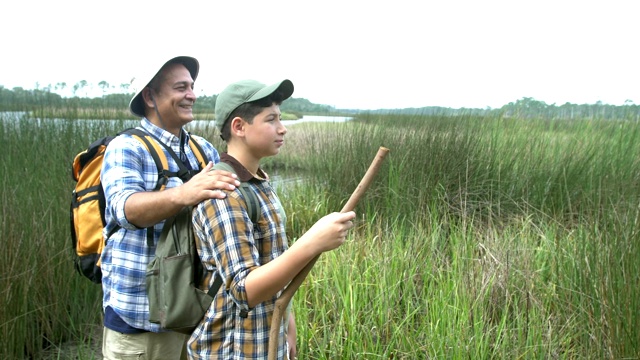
348 54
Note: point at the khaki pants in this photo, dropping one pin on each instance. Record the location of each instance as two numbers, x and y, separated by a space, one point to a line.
144 346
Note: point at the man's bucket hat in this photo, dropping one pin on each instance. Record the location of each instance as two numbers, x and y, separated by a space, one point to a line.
136 104
245 91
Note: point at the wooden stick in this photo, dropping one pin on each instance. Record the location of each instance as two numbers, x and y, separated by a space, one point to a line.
283 301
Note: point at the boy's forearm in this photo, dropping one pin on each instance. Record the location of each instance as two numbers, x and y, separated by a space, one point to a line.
265 281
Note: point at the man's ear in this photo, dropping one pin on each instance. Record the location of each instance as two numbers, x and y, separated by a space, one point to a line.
147 97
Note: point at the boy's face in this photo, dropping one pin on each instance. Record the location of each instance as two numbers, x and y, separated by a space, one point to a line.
266 134
175 98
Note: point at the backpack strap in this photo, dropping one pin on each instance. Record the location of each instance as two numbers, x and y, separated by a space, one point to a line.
203 160
217 282
250 198
153 146
161 164
253 208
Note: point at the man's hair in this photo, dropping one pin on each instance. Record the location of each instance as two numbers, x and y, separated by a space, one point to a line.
248 112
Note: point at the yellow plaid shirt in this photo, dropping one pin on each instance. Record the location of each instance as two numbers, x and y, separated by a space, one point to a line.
229 243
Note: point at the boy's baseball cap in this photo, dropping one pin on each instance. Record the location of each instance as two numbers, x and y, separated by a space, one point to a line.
139 83
245 91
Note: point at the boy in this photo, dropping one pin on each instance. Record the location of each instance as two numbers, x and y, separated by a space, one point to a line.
253 260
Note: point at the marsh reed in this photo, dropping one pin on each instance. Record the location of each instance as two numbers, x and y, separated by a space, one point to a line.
480 238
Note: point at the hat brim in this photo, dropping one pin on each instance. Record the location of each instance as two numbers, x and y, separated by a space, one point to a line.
136 105
285 87
247 91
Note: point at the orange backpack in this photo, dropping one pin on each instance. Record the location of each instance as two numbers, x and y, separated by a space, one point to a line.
88 201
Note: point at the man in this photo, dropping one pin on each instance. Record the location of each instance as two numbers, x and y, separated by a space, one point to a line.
254 260
134 211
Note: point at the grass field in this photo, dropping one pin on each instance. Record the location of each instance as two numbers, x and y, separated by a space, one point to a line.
481 238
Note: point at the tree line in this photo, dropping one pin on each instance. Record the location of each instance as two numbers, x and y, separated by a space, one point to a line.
19 99
529 108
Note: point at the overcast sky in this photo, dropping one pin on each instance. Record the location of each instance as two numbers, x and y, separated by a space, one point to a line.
347 54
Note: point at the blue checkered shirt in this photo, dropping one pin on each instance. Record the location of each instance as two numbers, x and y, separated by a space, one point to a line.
129 168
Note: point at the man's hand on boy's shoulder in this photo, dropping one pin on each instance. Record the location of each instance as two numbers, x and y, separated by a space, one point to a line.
207 185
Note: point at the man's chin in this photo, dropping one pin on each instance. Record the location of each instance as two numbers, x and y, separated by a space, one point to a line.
188 117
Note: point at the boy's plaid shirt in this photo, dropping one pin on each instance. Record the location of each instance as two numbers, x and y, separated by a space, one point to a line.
228 242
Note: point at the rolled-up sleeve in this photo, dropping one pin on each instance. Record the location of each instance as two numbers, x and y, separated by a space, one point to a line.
121 176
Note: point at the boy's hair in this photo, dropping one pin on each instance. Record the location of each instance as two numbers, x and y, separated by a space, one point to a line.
248 111
246 99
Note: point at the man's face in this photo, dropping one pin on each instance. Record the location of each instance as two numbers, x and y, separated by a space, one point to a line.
175 98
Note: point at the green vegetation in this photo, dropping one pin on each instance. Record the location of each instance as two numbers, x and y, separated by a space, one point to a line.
482 237
42 103
529 108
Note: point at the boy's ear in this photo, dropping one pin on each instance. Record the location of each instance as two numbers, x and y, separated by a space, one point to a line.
237 126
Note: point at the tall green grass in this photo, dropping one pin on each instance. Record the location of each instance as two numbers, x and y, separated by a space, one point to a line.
44 302
480 238
515 239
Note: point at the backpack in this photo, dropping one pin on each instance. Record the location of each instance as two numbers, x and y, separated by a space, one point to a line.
173 277
87 213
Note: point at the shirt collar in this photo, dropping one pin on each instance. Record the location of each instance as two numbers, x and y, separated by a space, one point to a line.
165 136
244 175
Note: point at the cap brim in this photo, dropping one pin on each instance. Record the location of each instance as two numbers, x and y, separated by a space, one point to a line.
285 88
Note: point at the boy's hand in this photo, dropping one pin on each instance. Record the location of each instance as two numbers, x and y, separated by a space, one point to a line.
330 231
